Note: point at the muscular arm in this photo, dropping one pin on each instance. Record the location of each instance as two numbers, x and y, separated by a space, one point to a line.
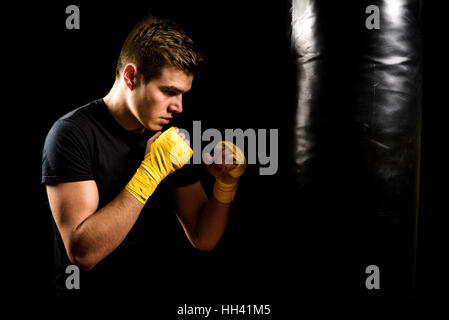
89 234
204 220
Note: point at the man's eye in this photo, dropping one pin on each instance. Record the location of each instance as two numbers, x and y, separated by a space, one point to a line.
170 92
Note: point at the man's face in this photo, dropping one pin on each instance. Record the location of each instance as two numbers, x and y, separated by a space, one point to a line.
154 103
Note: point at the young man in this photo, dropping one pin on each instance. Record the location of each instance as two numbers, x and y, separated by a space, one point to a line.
109 170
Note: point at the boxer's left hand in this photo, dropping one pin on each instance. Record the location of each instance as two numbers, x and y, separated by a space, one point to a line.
226 163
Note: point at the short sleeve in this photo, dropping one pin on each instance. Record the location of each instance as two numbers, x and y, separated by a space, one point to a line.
66 156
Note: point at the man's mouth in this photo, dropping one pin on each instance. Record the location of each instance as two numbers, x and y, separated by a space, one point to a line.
165 120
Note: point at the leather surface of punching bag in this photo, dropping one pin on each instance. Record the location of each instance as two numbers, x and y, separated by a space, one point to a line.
356 137
387 113
387 135
311 166
309 53
308 46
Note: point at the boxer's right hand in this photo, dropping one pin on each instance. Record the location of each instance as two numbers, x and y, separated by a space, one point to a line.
165 153
151 140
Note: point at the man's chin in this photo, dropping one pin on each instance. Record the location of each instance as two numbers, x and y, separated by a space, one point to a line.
155 126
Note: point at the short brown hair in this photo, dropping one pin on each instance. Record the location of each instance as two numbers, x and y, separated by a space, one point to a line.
154 43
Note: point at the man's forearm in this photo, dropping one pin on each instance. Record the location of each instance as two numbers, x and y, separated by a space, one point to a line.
211 224
102 232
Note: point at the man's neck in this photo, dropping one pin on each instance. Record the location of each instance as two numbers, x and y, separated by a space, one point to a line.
116 103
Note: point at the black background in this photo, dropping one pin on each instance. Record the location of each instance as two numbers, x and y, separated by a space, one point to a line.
268 255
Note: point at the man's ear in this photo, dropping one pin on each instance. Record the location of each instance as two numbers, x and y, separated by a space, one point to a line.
130 75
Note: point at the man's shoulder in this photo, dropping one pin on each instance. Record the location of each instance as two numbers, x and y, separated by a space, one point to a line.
76 124
81 118
69 147
83 114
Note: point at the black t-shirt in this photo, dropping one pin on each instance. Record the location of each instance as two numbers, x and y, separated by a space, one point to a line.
88 144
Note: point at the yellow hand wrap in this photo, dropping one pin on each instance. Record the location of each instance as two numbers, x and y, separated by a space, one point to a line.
168 153
225 192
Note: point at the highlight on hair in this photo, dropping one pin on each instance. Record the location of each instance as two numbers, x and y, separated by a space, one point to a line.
155 43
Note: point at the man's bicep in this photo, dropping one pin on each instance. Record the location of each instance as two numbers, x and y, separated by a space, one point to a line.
189 201
71 203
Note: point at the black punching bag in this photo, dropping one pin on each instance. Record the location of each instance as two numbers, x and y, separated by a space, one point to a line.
310 119
356 141
308 45
311 165
386 119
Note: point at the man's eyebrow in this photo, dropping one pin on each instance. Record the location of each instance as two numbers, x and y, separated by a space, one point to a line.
172 88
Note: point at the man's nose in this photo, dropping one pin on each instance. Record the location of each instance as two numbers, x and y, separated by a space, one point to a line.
176 104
